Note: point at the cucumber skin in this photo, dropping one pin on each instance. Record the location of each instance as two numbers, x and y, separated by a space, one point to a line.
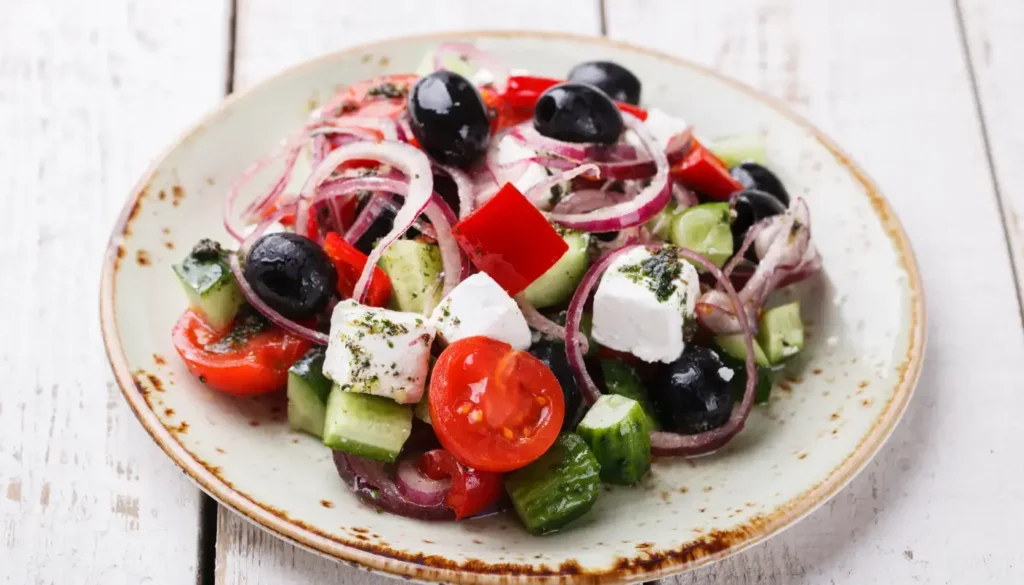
559 487
308 390
620 379
623 449
792 336
560 281
733 346
211 289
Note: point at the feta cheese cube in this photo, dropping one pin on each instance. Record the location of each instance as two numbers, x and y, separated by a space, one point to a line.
511 150
380 352
663 126
644 302
479 306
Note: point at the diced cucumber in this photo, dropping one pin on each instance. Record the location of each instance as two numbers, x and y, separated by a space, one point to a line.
617 432
557 284
705 229
367 426
765 379
558 487
422 408
415 272
733 150
308 390
661 224
782 332
209 285
621 379
733 345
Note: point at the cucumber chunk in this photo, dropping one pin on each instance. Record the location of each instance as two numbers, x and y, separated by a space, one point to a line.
367 426
781 333
733 150
557 284
734 346
422 408
557 488
620 379
661 224
617 432
415 272
308 390
765 379
209 284
705 229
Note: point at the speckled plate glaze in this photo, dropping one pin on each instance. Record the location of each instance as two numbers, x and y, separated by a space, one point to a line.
865 316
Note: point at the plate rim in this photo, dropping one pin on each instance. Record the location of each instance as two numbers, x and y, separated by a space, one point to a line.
643 567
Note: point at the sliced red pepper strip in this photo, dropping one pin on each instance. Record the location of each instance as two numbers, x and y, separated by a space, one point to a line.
349 263
510 240
523 91
704 172
473 491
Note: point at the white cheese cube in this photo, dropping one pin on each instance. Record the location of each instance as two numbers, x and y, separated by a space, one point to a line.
377 351
663 126
479 306
511 150
643 303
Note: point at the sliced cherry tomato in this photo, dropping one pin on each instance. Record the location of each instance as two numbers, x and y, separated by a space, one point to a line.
380 97
523 91
502 113
493 407
493 236
704 172
349 263
472 491
252 358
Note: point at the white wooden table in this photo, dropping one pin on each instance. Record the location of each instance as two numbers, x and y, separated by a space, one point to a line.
927 94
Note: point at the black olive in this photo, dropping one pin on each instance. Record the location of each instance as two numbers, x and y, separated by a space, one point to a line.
754 176
690 395
748 208
291 274
552 355
575 112
449 118
613 79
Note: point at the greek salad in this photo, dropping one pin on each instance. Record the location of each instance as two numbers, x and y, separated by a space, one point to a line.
494 290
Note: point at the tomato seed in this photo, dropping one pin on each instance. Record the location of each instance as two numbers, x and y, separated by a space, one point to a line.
540 400
527 432
465 408
476 416
507 433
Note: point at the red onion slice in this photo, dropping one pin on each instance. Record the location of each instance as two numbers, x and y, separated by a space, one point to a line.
662 443
586 200
540 194
406 159
417 487
264 309
371 482
464 188
638 210
539 322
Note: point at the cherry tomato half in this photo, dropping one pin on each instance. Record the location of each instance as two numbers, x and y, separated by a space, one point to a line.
252 358
494 408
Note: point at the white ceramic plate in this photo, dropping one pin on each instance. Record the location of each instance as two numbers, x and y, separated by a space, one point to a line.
865 316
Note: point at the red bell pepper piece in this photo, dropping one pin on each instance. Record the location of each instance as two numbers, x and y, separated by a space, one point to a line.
472 491
523 91
509 239
704 172
349 263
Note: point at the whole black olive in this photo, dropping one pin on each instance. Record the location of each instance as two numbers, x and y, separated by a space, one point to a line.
449 118
575 112
749 207
692 394
613 79
754 176
552 355
291 274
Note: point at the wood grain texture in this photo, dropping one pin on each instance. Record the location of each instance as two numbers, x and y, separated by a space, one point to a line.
995 48
89 92
272 36
895 91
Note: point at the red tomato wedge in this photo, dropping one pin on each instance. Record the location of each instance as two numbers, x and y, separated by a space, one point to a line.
703 171
349 263
252 358
492 407
510 240
472 490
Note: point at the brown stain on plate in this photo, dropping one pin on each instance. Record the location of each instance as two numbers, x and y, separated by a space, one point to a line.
142 258
177 194
650 565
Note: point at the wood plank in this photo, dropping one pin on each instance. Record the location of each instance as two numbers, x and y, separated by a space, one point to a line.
995 48
895 92
244 553
89 92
